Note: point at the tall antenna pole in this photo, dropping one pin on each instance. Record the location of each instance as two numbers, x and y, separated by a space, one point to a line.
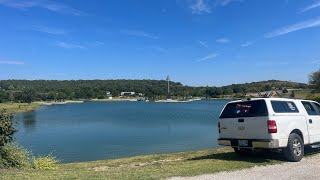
168 86
168 79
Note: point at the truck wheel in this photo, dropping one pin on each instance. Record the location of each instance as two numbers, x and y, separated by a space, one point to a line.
242 151
295 148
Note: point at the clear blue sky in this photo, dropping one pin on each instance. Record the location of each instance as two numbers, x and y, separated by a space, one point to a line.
196 42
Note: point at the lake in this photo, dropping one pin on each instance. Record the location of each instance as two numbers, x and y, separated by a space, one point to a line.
107 130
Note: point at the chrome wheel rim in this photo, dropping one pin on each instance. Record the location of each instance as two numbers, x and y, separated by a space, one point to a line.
297 150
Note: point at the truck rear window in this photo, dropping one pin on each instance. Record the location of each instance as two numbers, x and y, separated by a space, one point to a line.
245 109
284 107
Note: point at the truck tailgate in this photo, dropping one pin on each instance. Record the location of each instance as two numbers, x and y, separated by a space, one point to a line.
244 128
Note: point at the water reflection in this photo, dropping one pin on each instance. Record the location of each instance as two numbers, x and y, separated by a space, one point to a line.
29 120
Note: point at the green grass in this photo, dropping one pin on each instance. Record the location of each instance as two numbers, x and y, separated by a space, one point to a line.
302 94
151 166
19 107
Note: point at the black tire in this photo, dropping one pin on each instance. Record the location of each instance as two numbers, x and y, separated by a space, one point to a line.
295 148
242 151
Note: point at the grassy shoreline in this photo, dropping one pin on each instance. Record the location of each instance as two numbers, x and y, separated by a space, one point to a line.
160 166
19 107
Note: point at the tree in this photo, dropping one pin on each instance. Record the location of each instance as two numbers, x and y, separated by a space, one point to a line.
4 96
52 96
28 96
219 91
61 96
6 128
236 88
11 93
267 87
228 91
292 95
314 80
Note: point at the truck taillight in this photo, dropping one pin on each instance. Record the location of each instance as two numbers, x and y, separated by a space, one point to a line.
219 127
272 126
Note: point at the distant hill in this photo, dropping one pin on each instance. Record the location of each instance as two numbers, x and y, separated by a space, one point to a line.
266 86
26 90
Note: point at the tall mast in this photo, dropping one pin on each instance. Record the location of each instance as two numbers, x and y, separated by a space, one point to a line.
168 80
168 86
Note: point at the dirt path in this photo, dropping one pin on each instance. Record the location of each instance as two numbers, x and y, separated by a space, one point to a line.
308 168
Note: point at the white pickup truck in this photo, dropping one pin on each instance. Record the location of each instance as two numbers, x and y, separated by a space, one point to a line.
270 123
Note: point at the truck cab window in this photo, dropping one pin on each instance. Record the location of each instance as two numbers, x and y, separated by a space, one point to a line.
317 107
309 108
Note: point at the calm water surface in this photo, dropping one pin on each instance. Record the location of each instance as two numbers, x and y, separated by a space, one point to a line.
107 130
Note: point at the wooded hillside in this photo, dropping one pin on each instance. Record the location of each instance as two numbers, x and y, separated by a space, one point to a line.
31 90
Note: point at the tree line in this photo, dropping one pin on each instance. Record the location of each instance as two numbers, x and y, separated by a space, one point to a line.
44 90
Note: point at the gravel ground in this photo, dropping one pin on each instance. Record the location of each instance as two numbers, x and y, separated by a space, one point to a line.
308 168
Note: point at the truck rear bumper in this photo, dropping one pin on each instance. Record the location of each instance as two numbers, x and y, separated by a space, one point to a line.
253 143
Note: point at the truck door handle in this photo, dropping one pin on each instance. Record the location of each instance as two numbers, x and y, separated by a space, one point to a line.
310 121
240 120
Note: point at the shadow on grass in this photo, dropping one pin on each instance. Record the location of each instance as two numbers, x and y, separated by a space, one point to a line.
257 156
311 151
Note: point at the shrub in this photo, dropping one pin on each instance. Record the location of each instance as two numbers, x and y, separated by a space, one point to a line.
6 128
317 98
314 80
48 162
314 97
285 91
14 156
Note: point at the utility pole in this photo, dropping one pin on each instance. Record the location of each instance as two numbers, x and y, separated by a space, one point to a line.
168 79
168 87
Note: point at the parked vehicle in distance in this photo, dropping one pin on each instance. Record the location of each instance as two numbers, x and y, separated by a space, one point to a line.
270 123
